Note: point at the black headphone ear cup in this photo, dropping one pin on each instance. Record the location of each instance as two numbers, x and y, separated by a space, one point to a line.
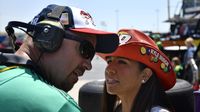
50 39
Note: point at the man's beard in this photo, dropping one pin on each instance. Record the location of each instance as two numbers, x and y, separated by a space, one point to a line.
66 86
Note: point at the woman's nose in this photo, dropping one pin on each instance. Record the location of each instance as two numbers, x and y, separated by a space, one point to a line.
110 71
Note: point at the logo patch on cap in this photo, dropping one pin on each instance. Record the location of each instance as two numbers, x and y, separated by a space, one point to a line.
87 17
143 50
124 37
35 20
155 57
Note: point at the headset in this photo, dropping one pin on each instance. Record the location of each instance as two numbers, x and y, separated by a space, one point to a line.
45 29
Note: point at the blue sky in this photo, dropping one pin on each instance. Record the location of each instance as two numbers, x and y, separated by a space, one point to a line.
109 15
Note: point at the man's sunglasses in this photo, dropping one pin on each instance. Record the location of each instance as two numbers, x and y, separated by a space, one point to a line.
86 48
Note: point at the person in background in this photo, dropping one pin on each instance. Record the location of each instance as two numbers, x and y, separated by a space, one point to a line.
137 76
156 38
191 69
178 68
2 39
61 42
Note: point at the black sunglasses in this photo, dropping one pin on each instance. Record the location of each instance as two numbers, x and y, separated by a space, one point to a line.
86 48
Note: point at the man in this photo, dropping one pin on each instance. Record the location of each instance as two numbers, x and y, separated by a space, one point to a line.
61 44
190 66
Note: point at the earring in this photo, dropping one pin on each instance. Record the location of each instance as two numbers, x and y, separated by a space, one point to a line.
143 81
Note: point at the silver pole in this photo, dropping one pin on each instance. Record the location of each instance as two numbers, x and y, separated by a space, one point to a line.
117 20
168 8
157 19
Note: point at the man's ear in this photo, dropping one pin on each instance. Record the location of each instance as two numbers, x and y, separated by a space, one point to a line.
147 72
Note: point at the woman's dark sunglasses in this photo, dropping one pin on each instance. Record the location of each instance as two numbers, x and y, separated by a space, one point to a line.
86 48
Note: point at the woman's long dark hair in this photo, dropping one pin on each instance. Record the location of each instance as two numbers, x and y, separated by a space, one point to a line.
150 94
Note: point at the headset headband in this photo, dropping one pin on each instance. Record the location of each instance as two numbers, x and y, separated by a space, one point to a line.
18 24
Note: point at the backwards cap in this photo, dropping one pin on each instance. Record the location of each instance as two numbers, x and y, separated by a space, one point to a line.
78 20
137 46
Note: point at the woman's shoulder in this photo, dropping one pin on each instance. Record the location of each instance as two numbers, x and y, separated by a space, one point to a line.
159 109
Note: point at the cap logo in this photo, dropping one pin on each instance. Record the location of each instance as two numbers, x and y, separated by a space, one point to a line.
87 17
155 56
35 20
124 37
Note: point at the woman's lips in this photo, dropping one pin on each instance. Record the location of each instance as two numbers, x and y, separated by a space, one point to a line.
111 81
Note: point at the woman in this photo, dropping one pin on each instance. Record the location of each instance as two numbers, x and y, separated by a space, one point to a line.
137 75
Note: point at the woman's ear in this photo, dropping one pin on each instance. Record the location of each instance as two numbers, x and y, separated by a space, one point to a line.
147 72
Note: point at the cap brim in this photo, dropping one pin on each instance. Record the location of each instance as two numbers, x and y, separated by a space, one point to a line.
107 42
91 31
